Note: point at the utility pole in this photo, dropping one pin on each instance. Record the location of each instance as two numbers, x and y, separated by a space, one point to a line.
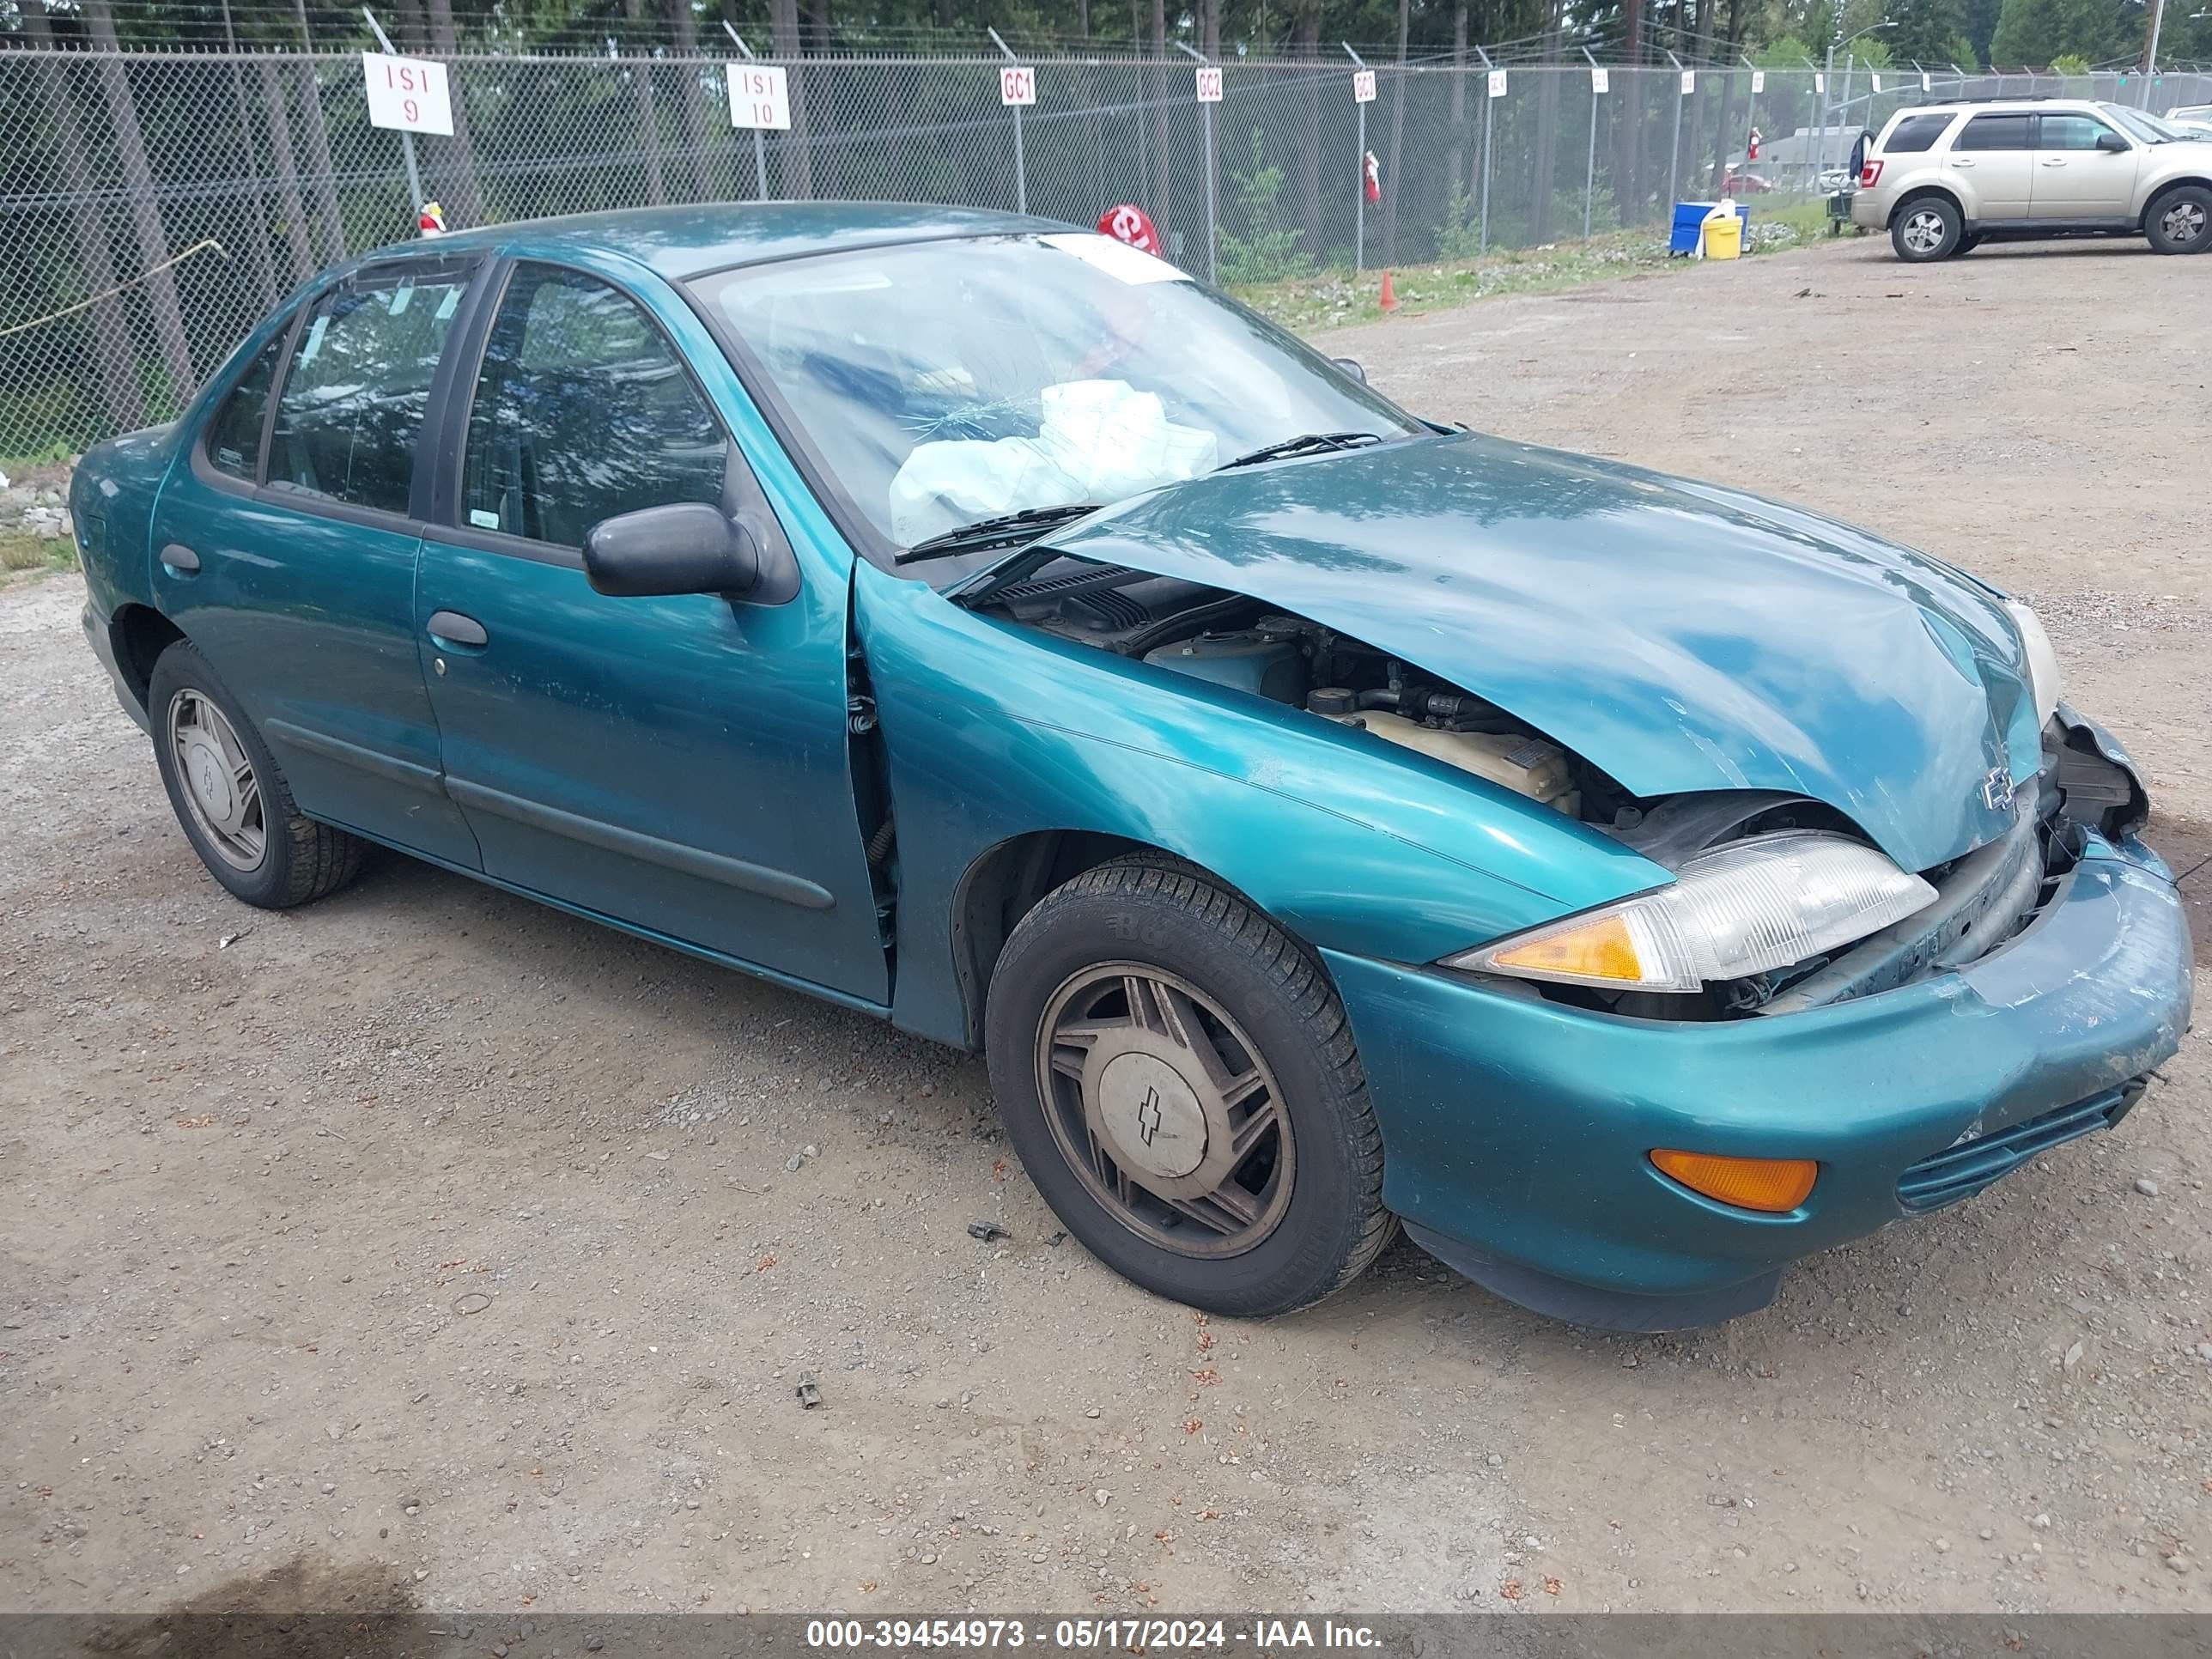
2150 50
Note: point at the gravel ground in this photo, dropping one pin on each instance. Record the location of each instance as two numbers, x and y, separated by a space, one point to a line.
432 1242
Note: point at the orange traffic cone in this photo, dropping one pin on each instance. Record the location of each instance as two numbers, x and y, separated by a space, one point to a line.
1389 294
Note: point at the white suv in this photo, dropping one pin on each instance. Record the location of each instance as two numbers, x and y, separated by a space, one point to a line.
1944 176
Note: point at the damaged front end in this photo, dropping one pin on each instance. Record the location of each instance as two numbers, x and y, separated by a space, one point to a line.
1945 916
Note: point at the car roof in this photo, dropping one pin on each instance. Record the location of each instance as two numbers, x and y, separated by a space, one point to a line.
2000 106
682 241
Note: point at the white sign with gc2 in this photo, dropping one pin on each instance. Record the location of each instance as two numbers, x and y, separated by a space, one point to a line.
410 93
1363 86
1209 85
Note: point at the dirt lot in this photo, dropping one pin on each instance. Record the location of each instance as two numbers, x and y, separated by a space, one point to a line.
425 1237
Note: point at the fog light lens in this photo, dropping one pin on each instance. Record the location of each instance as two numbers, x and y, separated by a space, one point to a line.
1770 1184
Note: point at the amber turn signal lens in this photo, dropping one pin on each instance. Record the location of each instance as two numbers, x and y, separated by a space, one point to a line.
1770 1184
1602 949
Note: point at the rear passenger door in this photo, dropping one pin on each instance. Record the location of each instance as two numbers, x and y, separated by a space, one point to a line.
2074 177
682 763
286 549
1992 161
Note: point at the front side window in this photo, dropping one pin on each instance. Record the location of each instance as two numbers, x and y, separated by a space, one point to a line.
233 436
1996 132
943 383
351 410
2071 132
583 411
1915 133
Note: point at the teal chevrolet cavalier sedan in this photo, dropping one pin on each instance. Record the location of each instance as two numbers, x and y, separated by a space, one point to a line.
1324 819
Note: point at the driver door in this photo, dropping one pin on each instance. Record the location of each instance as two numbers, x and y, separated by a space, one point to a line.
679 764
2074 179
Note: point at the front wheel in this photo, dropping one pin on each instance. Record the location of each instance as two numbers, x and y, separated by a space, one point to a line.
1925 229
1178 1078
2181 221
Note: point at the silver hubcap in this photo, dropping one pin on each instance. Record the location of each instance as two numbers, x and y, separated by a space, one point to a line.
2184 222
220 788
1164 1109
1923 231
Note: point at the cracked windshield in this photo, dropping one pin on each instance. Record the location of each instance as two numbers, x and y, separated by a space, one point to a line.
947 383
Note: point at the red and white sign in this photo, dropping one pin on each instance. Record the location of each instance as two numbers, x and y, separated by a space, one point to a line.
1877 83
410 93
1131 224
760 96
1371 177
1599 81
1689 82
1497 83
1209 85
1017 84
1363 86
1758 81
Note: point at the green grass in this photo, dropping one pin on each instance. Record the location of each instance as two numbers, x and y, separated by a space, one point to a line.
22 553
1336 299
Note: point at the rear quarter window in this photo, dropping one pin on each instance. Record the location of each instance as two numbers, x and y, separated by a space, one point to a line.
1913 133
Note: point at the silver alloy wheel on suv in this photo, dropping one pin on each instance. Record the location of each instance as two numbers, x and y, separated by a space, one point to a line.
1923 231
2184 222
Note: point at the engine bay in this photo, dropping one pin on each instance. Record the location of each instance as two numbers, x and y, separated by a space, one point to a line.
1228 640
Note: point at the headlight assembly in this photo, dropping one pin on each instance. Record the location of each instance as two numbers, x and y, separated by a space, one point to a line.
1758 904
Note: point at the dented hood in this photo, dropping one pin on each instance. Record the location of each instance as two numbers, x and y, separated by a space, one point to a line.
1681 636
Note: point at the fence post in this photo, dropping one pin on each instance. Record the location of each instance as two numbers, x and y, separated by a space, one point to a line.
1674 154
1750 117
1482 245
406 138
1205 110
760 147
1589 168
1359 171
1021 166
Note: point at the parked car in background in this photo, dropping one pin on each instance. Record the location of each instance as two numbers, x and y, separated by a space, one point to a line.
1943 179
1320 817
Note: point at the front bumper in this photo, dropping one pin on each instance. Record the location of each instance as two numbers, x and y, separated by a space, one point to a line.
1517 1130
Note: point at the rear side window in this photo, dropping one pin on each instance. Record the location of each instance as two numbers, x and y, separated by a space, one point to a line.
1996 132
583 411
1914 133
354 396
233 436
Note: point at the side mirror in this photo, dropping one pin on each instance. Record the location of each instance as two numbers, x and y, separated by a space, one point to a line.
687 547
1351 366
2112 144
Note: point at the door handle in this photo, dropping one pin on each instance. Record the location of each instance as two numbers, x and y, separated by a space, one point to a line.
180 560
1959 163
2054 161
451 628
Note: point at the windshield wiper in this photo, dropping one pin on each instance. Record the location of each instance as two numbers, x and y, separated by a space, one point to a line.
1007 530
1302 445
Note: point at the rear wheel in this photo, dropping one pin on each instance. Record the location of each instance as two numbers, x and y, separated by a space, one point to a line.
1179 1079
1926 229
2180 220
230 796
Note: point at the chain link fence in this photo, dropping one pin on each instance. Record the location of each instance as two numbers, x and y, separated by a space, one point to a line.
154 206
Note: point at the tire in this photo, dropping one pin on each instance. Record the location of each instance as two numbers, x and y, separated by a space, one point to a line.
1925 229
2180 220
236 808
1224 998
